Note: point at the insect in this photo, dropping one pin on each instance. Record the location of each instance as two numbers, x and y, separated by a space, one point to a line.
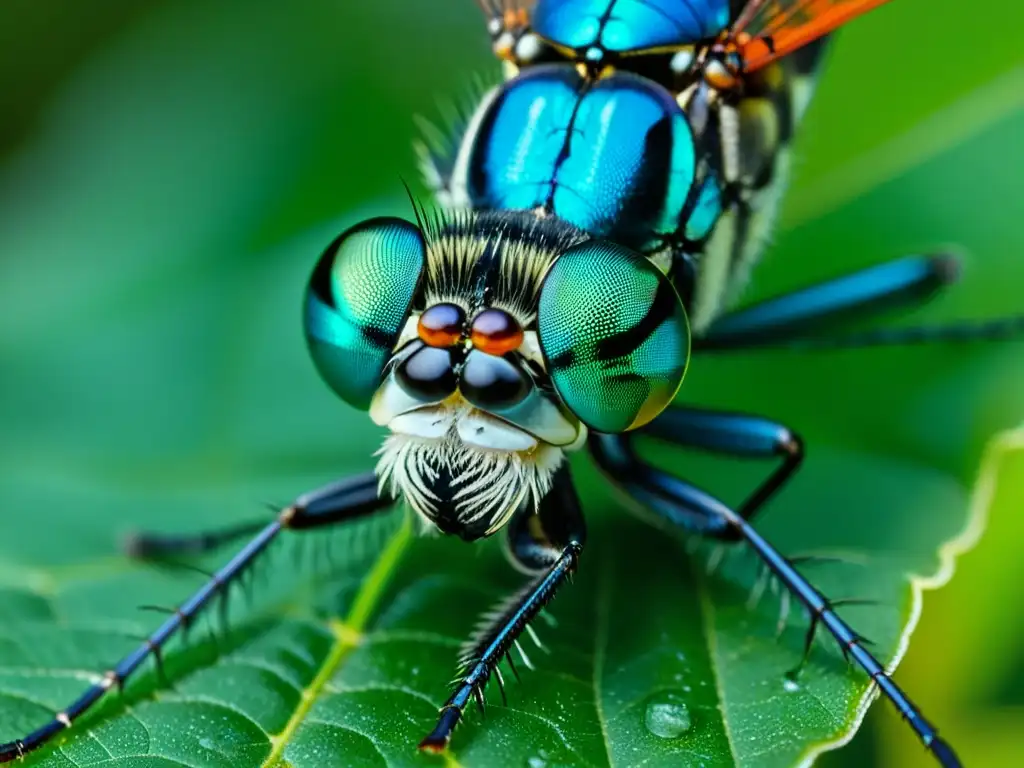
599 213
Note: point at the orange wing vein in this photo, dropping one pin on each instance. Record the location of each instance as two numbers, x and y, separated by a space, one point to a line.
769 29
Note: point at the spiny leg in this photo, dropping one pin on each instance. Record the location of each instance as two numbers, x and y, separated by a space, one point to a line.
547 543
338 502
683 504
805 318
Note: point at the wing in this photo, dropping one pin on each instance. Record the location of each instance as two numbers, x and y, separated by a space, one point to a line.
767 29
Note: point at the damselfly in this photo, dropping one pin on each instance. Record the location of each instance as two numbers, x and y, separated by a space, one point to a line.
598 214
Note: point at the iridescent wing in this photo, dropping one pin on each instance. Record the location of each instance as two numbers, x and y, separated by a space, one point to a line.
768 29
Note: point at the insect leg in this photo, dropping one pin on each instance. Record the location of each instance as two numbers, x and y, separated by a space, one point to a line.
693 509
802 314
341 501
734 434
547 543
154 546
960 332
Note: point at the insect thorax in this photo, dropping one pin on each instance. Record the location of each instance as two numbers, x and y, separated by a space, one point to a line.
679 172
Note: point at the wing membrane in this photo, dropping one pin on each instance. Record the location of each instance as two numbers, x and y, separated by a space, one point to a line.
769 29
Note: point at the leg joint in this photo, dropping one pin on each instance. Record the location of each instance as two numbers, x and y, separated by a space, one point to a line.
790 444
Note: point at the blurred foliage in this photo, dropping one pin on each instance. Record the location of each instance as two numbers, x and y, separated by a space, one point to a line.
170 172
970 665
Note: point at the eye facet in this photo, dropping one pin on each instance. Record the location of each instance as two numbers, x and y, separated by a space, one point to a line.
614 335
357 302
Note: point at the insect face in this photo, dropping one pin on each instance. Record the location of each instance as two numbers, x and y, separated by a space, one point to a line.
487 347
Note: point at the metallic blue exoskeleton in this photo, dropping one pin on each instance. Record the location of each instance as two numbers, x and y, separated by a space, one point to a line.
615 159
623 26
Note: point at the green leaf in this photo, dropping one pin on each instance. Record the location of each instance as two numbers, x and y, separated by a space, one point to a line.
155 377
978 695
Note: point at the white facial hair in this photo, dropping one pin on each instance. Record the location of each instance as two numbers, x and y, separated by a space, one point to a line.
488 484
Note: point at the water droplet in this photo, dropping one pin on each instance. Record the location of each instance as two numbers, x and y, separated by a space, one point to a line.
667 715
789 684
536 762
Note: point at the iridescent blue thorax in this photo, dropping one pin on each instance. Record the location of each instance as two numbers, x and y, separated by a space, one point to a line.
609 122
624 26
614 157
593 125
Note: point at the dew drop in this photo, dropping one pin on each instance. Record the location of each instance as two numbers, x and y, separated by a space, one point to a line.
536 762
790 685
667 715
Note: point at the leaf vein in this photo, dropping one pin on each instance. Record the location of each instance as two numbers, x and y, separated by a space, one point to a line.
347 634
603 610
707 613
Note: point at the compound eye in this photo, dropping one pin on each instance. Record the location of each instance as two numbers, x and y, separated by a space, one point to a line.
358 299
614 335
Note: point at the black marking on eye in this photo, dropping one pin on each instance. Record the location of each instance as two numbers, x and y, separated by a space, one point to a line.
377 337
320 282
564 359
626 342
624 378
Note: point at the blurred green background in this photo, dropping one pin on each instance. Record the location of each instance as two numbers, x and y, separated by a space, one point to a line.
154 155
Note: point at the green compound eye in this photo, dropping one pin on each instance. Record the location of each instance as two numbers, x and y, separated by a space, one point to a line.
357 302
614 334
